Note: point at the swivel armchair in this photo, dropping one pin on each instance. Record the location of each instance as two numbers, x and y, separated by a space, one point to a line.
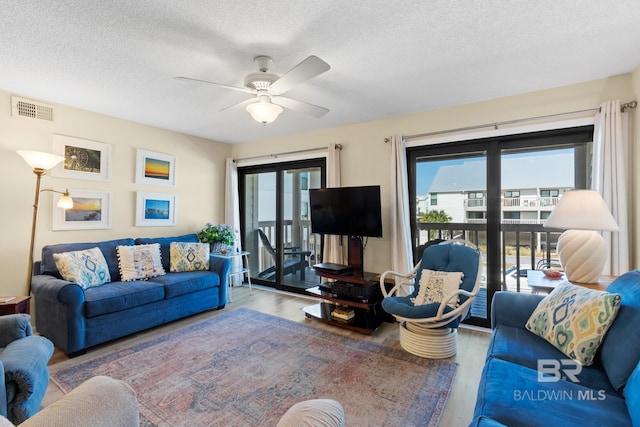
429 328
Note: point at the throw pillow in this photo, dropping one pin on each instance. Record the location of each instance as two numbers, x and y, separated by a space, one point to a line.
139 262
575 320
189 256
87 268
436 285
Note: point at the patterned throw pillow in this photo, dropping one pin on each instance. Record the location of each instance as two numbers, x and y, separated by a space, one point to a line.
139 262
435 285
87 268
189 256
575 320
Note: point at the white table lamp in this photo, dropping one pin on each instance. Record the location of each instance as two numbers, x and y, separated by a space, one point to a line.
581 249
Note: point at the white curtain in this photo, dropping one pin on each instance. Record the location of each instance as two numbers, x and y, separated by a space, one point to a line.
332 251
401 248
232 212
609 177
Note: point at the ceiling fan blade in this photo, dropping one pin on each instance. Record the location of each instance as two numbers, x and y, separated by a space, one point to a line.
240 104
307 69
239 89
303 107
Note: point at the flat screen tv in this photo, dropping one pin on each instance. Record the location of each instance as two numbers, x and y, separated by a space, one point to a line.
346 211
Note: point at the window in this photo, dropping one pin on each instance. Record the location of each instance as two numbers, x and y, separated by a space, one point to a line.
433 200
481 185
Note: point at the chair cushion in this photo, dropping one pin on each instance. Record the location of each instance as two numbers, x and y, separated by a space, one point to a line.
165 245
108 249
575 320
620 350
188 256
140 262
403 306
87 268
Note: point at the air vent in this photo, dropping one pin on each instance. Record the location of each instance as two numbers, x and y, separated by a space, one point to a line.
29 109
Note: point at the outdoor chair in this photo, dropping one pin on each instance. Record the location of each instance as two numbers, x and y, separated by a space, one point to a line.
295 259
429 319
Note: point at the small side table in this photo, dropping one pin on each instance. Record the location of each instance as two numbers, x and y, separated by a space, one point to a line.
242 270
15 306
538 282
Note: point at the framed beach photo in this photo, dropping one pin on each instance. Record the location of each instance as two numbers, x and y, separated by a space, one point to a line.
155 209
155 168
91 210
83 158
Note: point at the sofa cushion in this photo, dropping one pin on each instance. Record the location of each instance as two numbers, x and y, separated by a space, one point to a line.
575 320
165 245
187 282
140 262
118 296
189 256
620 350
108 249
632 394
87 268
513 395
524 348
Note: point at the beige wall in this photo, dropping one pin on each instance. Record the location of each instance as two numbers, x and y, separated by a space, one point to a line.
634 187
365 156
199 186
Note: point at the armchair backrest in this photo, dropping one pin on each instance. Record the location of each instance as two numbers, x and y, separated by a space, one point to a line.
451 256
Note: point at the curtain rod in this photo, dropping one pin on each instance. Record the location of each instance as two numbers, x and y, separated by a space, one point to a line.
623 107
287 153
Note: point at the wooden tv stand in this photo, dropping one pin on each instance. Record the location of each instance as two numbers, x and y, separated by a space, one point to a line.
368 313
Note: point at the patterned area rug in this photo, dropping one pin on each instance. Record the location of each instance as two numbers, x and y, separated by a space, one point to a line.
245 368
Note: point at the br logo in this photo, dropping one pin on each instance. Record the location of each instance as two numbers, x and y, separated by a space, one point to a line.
552 370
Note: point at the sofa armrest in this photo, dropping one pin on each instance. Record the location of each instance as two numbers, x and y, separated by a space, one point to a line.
513 308
25 365
98 402
3 393
60 308
222 266
13 327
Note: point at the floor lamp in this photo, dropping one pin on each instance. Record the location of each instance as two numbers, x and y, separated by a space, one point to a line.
41 162
581 249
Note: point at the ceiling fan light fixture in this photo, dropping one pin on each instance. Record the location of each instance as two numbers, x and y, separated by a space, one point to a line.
264 111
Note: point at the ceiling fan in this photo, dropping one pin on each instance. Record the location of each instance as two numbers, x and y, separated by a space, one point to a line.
268 89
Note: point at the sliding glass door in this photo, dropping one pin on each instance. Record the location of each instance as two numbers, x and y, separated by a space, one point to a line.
276 224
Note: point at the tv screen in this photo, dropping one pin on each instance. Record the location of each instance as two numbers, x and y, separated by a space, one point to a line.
346 211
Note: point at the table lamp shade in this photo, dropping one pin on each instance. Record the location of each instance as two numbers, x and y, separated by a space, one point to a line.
581 249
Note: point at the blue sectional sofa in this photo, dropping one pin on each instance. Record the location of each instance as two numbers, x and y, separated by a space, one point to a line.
76 319
606 393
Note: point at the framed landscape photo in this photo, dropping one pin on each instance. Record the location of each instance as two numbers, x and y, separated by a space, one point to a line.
91 210
155 168
155 209
83 158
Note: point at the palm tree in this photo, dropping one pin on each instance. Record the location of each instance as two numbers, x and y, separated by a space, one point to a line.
434 216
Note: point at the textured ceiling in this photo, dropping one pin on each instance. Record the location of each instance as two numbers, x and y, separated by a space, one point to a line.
388 58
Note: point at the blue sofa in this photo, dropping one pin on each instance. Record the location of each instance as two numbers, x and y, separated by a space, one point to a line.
607 393
76 319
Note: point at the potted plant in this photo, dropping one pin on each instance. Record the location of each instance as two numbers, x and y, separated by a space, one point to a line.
220 237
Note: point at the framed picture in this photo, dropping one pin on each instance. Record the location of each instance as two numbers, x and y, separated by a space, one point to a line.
155 209
83 159
91 210
155 168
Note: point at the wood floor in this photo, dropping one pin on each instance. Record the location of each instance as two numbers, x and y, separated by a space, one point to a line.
472 346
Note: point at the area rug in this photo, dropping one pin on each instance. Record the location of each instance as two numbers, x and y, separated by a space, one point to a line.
245 368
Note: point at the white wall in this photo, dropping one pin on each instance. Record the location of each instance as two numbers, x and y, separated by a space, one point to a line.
365 156
200 173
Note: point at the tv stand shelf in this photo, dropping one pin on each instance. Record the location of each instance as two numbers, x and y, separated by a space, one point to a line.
368 313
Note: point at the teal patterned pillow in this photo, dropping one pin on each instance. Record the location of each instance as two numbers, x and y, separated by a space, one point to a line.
188 256
87 268
575 320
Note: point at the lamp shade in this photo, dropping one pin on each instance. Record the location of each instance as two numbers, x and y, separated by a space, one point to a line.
581 210
264 111
40 159
65 202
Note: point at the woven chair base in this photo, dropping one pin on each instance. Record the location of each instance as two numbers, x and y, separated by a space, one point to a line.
428 343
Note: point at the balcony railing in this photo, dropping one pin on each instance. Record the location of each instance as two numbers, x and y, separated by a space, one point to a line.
514 203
